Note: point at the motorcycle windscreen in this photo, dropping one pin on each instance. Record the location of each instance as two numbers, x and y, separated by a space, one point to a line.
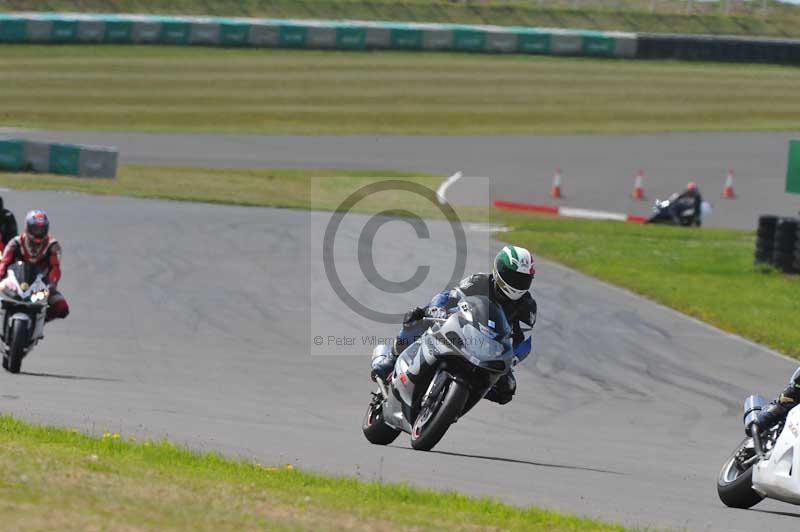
24 272
480 345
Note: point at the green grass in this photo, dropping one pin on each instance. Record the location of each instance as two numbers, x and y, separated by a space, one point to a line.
627 15
316 189
705 273
310 92
57 479
271 187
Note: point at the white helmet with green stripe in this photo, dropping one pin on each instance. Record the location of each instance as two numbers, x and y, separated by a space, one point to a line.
513 271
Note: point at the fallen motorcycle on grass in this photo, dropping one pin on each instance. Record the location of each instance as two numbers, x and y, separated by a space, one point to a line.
23 306
766 464
441 376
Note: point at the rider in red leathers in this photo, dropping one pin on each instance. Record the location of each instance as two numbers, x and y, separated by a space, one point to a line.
37 247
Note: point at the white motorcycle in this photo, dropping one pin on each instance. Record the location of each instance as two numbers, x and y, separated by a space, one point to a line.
764 465
23 307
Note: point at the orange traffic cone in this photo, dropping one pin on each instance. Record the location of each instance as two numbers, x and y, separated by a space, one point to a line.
638 188
727 190
556 190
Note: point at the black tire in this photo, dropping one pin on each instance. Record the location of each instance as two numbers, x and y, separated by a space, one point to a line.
735 488
767 220
784 262
16 345
765 239
425 436
784 244
763 255
375 430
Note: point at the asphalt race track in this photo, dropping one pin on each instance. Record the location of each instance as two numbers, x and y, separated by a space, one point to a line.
196 321
598 170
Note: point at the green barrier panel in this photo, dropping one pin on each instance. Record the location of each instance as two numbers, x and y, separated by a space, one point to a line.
292 36
50 27
233 33
598 45
406 38
437 37
319 36
351 38
64 159
12 155
793 168
91 30
175 32
469 40
13 30
64 30
119 31
501 42
533 43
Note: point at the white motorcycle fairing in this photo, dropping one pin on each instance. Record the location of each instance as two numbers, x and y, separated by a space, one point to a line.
404 388
779 476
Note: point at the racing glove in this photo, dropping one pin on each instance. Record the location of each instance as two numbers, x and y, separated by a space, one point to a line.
436 313
413 316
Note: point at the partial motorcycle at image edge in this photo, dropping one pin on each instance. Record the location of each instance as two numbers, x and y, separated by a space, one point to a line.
23 307
765 464
441 376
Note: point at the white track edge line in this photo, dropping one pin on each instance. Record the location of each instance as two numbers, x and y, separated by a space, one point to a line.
442 190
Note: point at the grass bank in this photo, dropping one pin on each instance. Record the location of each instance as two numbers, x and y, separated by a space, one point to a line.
627 15
706 273
272 187
316 189
60 479
325 92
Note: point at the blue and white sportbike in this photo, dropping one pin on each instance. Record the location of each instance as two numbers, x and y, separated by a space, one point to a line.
442 375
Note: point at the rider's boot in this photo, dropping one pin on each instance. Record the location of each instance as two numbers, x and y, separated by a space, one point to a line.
384 359
777 409
770 415
503 390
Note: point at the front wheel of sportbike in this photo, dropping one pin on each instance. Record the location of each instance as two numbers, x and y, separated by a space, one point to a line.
734 484
375 429
16 345
436 417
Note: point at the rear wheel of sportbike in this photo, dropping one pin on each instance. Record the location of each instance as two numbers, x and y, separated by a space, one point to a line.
436 417
735 485
375 429
16 345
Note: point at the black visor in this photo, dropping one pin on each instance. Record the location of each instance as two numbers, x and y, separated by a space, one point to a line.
520 281
38 230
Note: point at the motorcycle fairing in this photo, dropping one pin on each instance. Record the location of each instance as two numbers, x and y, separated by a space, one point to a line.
779 476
